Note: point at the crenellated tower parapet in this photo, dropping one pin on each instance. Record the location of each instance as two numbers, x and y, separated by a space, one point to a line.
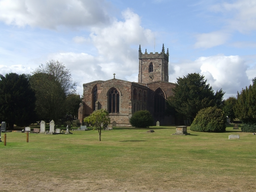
153 66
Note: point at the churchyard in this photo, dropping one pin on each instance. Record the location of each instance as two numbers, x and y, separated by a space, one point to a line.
129 159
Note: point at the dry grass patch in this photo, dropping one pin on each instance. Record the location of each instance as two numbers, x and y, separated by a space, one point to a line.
128 159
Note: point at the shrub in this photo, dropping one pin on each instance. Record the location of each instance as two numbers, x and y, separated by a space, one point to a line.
248 128
142 118
209 119
76 123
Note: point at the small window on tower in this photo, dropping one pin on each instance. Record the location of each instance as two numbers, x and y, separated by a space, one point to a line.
150 69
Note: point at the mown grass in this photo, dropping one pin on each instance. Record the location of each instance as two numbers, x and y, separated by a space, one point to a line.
133 154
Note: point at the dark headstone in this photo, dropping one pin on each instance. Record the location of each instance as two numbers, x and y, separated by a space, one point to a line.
181 130
236 126
3 126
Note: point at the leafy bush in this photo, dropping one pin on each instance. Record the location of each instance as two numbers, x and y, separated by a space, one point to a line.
76 123
248 128
142 118
209 119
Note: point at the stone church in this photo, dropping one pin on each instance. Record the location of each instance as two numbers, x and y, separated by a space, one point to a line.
122 98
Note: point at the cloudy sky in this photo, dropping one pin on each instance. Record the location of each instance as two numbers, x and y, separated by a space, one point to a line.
96 38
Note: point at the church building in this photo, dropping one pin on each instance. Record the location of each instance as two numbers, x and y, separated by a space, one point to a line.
122 98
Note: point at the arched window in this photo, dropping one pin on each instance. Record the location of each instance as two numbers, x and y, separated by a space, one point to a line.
113 101
139 96
150 68
134 94
159 102
94 97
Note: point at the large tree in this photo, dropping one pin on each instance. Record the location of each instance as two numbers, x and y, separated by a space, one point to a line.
60 73
72 104
17 100
50 97
192 93
229 106
245 108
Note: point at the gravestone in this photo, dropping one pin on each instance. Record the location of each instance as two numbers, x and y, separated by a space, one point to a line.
113 124
27 129
3 126
67 130
51 126
236 126
83 128
233 137
157 123
42 127
58 131
36 130
0 135
181 130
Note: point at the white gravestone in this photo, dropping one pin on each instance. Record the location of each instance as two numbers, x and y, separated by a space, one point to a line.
83 127
57 130
67 131
157 123
233 137
27 129
52 126
42 127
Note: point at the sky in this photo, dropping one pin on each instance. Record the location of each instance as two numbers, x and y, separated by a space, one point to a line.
96 38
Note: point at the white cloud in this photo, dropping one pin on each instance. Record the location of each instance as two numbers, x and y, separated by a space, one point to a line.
79 39
228 73
243 14
116 54
244 44
19 69
208 40
114 44
54 14
237 16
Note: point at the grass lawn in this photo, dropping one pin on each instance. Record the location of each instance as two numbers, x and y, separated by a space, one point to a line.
129 160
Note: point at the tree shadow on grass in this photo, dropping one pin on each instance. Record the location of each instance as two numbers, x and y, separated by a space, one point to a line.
133 141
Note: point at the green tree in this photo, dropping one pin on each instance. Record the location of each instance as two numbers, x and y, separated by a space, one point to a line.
99 120
61 75
72 104
210 119
229 106
192 93
245 108
141 119
17 100
50 97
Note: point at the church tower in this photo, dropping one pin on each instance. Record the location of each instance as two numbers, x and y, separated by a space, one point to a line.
153 66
